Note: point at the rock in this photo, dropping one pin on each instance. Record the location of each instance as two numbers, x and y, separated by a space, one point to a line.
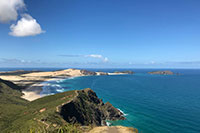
86 72
88 109
112 113
42 110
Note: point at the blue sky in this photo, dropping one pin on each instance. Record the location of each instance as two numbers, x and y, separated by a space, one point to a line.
102 33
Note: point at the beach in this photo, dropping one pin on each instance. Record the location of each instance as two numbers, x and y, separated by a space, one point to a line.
33 92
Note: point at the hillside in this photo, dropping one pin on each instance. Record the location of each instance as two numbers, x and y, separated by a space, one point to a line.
10 102
74 111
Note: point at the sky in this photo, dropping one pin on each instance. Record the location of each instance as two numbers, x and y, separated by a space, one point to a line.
100 33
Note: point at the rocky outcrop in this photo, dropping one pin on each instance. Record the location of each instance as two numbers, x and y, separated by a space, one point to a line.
162 72
87 109
87 73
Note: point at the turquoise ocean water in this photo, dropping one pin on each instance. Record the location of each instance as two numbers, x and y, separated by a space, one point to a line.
151 103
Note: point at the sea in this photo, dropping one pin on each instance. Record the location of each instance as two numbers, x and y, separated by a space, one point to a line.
150 103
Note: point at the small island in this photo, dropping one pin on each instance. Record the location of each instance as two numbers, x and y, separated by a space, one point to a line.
162 72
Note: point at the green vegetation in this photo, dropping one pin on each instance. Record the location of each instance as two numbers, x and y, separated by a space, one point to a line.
42 115
71 111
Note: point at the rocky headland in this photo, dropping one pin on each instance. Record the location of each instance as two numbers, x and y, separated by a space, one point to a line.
72 111
87 109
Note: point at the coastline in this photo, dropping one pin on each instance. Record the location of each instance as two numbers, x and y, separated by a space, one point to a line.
33 92
33 82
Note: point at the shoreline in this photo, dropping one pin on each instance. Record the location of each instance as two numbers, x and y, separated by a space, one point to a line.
33 91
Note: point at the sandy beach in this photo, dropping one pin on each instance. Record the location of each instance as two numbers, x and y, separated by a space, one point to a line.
33 92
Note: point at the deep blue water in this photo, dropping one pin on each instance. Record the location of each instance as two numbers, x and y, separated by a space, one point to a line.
153 103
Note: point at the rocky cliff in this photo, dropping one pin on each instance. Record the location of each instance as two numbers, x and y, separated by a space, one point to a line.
87 109
87 73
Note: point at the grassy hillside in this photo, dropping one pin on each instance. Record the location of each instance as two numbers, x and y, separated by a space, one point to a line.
42 115
10 102
19 115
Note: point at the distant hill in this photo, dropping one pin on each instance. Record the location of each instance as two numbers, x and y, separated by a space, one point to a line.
18 72
162 72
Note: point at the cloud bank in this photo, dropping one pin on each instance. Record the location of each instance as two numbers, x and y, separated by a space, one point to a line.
26 26
97 56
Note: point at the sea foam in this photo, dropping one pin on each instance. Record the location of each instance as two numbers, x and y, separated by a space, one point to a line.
122 112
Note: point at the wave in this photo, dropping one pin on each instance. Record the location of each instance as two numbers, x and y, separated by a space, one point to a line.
108 123
122 112
52 87
60 90
71 78
60 80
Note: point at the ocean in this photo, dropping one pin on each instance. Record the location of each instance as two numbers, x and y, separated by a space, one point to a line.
151 103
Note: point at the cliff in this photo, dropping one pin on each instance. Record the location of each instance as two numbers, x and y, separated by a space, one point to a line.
88 109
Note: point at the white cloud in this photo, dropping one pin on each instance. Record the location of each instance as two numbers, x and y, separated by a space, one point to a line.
105 59
9 8
94 56
26 26
97 56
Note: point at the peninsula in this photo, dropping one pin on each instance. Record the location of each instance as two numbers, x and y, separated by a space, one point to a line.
33 81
